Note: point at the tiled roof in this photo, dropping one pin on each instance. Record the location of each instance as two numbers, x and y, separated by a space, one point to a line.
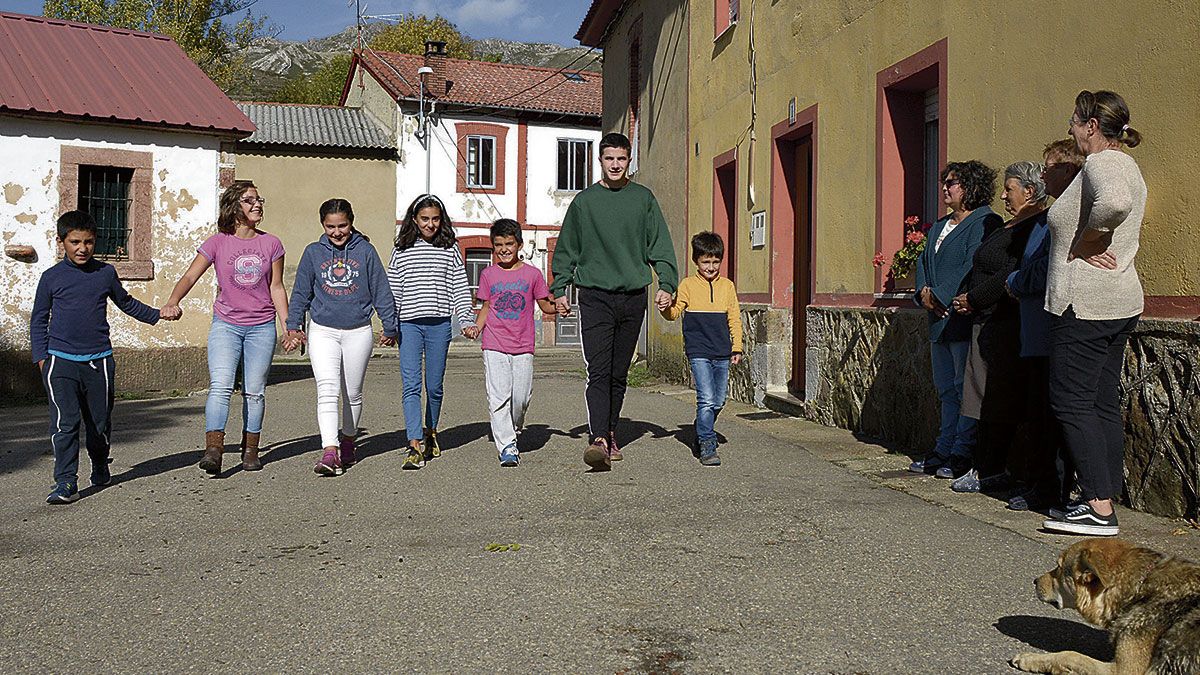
52 67
316 125
497 86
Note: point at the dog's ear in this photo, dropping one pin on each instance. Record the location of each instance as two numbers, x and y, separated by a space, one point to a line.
1091 570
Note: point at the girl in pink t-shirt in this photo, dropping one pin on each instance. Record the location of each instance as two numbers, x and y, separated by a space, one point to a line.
250 295
509 289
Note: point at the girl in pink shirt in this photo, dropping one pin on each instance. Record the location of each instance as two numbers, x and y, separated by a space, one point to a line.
250 295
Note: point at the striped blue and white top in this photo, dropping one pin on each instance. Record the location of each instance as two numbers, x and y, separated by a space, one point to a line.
428 281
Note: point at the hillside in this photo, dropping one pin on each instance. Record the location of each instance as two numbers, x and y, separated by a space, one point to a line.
274 61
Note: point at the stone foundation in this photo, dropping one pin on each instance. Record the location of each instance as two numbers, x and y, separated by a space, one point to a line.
873 376
139 371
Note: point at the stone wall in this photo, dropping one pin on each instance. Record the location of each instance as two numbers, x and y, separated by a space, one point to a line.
766 342
139 371
872 376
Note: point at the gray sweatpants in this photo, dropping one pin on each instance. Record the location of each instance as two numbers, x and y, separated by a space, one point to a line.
509 380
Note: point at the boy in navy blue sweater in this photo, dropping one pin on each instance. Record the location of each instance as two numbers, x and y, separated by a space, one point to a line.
68 332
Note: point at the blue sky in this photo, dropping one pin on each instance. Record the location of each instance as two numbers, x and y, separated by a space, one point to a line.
526 20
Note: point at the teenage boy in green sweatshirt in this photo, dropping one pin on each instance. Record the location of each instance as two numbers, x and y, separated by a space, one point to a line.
612 234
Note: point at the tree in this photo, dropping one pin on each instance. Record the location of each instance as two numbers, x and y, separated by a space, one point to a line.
323 87
207 30
408 36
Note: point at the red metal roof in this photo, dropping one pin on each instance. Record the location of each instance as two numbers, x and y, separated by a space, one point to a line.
490 85
53 67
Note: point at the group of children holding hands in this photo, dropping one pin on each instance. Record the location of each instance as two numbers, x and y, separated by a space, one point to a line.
613 233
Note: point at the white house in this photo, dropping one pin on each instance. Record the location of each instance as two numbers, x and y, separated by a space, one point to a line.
503 141
124 125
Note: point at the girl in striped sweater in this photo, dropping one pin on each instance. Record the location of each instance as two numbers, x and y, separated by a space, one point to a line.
429 284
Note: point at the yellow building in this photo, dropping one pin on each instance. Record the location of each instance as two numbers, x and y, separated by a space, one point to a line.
812 129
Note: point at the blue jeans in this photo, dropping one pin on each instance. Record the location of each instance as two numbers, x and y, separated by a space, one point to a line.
957 436
712 383
429 338
228 346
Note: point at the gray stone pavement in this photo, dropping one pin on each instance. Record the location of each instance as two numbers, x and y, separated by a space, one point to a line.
804 552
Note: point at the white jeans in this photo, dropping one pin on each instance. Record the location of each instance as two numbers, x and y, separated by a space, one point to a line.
339 361
509 380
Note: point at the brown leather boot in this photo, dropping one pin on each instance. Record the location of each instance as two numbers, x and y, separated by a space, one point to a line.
214 445
250 461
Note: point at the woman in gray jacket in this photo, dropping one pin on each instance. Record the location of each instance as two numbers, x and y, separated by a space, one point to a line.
1095 297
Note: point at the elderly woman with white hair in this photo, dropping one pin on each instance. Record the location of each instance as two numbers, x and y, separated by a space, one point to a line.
994 386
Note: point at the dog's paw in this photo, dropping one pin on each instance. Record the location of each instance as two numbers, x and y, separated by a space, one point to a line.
1028 662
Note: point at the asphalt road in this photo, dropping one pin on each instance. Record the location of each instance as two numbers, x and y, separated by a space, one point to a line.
777 561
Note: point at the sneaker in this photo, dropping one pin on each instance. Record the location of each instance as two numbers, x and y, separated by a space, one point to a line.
1083 519
64 493
1060 512
952 468
346 448
596 455
614 452
1030 500
928 464
414 460
968 482
510 457
330 464
432 449
101 476
709 458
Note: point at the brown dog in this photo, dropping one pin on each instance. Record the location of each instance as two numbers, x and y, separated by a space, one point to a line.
1148 602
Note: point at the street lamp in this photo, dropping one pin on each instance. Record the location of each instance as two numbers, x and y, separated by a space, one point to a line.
423 122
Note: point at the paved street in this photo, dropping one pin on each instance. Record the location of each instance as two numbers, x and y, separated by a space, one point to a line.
804 552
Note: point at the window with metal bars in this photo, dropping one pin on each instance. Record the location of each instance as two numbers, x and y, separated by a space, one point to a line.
481 161
476 260
104 193
574 164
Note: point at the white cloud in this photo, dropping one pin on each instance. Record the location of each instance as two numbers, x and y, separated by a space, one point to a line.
472 16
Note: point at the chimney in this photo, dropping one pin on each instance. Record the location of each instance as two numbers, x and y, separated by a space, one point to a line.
435 59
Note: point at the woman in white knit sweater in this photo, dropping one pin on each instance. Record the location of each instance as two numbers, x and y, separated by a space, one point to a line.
1095 297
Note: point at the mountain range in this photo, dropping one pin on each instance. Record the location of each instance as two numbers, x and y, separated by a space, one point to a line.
275 61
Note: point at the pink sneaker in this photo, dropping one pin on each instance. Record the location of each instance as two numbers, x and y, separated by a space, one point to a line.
347 446
329 465
614 451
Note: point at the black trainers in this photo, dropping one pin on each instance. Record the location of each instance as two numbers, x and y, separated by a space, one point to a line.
1083 519
101 475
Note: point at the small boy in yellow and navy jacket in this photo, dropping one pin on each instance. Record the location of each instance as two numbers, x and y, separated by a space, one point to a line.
712 336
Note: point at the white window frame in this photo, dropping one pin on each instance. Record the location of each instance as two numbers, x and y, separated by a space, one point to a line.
572 169
475 147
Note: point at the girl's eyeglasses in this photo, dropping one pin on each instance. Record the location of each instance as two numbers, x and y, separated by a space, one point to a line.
951 182
251 201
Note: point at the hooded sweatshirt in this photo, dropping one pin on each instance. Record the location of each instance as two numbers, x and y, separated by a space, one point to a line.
339 287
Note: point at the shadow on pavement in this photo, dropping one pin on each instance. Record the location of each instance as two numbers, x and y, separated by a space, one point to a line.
1055 635
27 429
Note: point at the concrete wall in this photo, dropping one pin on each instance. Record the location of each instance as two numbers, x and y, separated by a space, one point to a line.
295 185
829 54
663 137
545 204
185 192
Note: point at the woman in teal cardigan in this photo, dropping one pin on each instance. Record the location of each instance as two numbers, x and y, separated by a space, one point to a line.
967 189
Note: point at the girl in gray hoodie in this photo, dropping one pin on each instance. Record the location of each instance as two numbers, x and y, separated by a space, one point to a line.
339 283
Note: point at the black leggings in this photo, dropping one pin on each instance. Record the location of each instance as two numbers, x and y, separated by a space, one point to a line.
1085 377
